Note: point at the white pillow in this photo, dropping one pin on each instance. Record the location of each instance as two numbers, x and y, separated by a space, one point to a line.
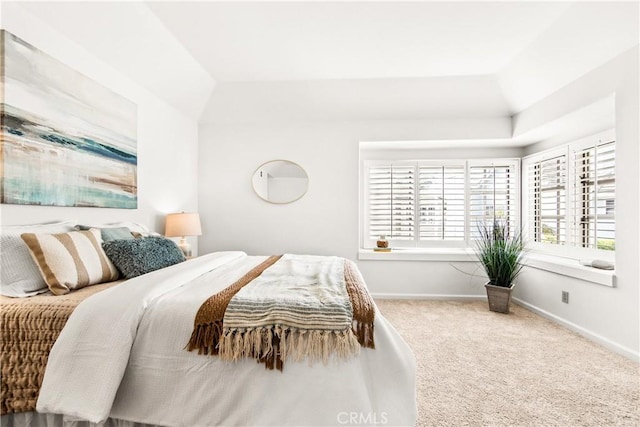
19 274
133 226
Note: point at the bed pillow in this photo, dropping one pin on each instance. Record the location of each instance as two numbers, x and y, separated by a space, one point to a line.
116 233
134 227
110 233
69 261
140 256
19 274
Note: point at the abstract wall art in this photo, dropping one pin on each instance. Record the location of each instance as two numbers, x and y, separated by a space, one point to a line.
66 140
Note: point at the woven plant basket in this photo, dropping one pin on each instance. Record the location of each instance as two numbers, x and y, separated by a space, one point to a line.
499 298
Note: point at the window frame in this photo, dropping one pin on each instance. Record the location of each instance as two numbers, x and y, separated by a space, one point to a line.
443 243
569 249
581 146
495 163
467 242
367 241
526 209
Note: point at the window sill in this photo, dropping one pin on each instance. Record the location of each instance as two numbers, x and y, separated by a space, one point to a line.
554 264
571 268
419 254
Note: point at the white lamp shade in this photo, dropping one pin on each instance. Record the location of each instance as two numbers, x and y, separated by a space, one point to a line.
183 224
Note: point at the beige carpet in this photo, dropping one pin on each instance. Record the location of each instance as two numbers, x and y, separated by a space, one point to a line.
478 368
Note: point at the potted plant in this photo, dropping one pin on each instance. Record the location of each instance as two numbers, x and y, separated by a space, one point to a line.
500 255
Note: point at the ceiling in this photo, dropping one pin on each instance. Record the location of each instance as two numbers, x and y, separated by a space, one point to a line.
270 41
393 60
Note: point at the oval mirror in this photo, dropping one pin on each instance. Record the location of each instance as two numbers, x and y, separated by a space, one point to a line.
280 181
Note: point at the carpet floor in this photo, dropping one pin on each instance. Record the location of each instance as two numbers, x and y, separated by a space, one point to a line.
478 368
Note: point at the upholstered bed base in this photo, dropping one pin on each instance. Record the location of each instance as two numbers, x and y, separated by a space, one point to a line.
35 419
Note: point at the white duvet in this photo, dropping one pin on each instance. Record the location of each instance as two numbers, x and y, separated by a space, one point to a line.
121 355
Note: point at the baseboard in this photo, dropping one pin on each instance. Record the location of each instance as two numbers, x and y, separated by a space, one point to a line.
429 296
605 342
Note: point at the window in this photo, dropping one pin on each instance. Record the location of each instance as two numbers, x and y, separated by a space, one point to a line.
441 201
570 195
594 196
437 203
493 195
547 188
392 201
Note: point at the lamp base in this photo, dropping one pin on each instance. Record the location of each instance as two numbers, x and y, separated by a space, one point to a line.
185 247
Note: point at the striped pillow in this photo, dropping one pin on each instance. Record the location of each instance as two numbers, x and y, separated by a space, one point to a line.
69 261
19 275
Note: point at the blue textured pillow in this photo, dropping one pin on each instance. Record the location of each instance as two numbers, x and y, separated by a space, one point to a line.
140 256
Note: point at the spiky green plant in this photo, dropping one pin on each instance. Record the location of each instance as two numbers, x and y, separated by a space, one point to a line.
500 253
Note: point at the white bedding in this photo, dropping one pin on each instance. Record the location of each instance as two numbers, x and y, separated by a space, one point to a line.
121 355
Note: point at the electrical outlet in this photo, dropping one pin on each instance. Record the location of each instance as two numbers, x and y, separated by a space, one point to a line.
565 297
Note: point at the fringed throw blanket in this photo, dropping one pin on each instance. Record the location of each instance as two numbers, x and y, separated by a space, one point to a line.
30 327
290 308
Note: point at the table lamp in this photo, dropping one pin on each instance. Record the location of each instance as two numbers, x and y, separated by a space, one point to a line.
182 225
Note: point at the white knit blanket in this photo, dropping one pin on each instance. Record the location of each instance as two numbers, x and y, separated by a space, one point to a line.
302 302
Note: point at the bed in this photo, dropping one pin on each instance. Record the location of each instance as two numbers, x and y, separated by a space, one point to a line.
121 359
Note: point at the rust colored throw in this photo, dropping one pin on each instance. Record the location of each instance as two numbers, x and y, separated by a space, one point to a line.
303 308
362 303
30 327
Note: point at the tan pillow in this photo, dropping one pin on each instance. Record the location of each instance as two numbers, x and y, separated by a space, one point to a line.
69 261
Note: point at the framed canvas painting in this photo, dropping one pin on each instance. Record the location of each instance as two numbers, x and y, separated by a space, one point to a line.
66 140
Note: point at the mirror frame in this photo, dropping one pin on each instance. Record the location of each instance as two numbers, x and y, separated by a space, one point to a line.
280 160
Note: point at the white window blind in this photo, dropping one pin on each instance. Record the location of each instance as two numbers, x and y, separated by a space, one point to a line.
547 198
594 196
435 203
391 196
493 196
570 195
442 202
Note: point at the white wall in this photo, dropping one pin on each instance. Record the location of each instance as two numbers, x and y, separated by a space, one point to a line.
608 315
325 221
167 139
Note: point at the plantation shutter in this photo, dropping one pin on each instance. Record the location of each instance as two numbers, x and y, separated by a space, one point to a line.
392 201
547 190
493 196
594 196
441 202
